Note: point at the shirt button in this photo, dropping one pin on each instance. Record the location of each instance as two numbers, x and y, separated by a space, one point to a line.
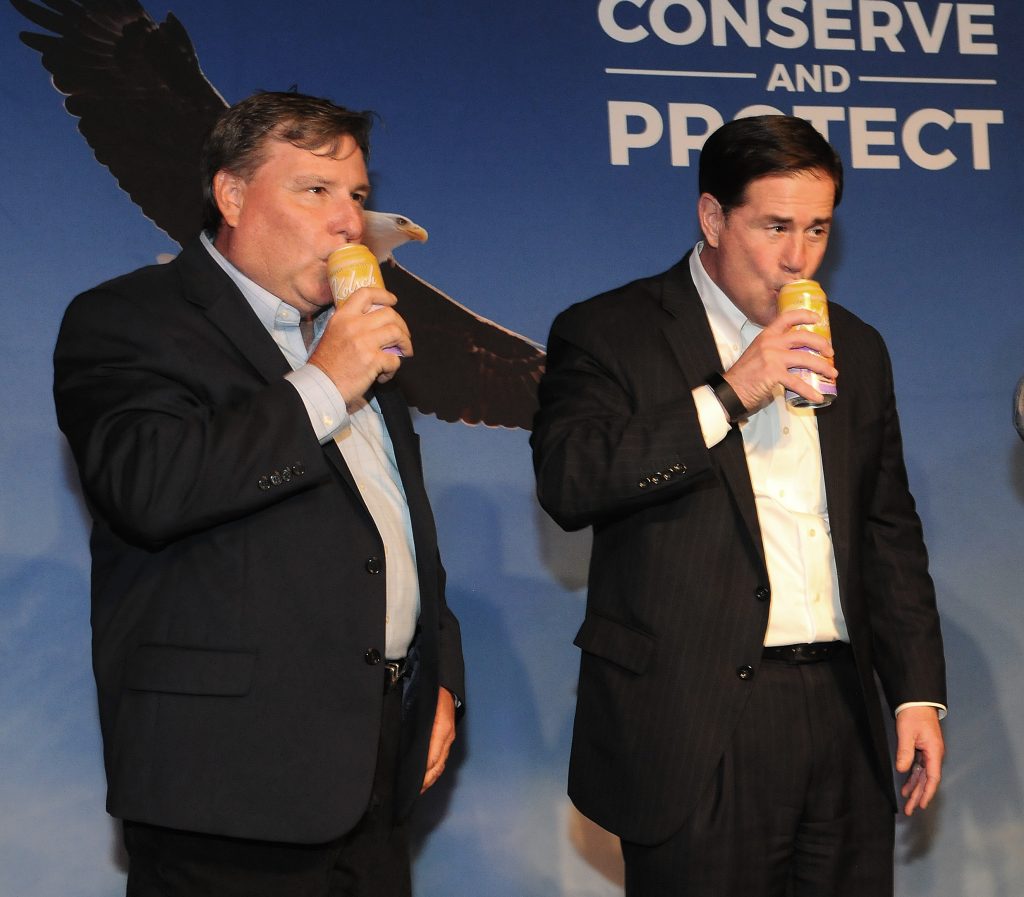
373 566
745 672
811 533
372 657
785 430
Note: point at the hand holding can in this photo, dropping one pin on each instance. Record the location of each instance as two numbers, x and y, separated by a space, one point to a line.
809 294
352 267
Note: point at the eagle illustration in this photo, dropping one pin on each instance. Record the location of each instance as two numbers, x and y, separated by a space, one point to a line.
144 106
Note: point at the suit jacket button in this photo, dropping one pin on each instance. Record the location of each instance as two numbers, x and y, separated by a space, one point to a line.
372 657
286 474
762 593
263 483
298 469
275 478
374 566
745 672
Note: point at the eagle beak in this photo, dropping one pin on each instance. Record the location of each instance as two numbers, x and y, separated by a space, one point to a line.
415 232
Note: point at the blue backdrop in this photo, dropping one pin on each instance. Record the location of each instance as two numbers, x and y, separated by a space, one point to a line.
549 150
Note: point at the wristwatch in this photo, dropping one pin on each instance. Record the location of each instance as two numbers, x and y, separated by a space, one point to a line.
735 410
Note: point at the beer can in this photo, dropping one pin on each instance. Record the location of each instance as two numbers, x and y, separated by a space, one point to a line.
809 294
352 267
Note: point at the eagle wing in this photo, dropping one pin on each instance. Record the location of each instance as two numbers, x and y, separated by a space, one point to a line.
141 100
465 367
145 108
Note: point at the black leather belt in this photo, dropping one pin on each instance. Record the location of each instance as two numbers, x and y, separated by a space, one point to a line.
394 672
812 652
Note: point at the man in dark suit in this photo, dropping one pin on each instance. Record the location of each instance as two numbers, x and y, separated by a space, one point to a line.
277 668
754 564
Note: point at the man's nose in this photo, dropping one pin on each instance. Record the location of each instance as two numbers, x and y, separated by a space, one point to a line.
794 255
347 221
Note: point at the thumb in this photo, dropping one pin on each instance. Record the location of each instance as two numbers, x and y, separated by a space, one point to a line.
904 754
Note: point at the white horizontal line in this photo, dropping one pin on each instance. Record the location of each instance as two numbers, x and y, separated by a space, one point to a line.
668 73
892 79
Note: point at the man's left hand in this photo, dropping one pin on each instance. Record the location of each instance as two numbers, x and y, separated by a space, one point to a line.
919 751
441 738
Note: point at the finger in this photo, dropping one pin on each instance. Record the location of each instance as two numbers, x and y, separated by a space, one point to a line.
791 318
913 780
436 764
391 338
933 775
360 302
795 359
905 755
913 790
808 339
431 777
795 383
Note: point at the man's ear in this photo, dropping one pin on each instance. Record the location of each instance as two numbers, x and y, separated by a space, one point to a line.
229 194
711 217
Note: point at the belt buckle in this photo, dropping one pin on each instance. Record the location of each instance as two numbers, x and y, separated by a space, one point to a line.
395 671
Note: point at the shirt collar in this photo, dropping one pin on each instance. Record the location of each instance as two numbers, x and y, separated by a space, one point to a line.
274 313
726 319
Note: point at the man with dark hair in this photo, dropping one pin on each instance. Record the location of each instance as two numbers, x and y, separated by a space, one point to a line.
277 669
754 565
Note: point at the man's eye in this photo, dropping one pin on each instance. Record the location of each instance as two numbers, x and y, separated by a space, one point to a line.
359 198
318 190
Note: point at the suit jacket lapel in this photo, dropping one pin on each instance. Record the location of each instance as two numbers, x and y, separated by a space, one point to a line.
209 287
405 443
834 437
689 335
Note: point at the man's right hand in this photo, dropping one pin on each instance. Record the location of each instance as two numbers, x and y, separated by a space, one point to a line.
350 351
767 361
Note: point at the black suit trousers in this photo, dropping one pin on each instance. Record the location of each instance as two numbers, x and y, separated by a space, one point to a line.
794 809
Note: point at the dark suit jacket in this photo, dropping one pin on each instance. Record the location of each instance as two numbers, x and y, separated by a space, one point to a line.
678 596
238 588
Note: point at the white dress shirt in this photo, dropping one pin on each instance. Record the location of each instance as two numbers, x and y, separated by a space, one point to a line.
784 460
365 445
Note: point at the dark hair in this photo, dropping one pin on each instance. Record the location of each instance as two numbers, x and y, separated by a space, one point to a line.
239 139
749 148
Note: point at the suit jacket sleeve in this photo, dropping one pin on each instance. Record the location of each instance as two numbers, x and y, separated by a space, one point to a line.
606 441
158 457
451 666
898 589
